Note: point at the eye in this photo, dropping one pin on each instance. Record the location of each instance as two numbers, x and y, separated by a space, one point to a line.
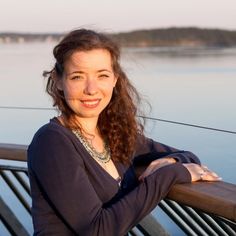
76 77
103 76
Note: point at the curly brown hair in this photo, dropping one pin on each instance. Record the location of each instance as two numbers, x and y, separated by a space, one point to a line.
118 122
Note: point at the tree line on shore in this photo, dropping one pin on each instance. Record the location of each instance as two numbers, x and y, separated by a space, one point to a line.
174 36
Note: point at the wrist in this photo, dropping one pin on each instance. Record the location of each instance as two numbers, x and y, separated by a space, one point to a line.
171 160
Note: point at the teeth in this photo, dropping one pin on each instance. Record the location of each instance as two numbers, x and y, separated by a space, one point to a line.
91 103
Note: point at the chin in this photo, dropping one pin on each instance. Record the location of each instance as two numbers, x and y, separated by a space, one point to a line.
87 114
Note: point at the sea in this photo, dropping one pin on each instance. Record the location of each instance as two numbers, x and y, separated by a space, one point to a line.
187 85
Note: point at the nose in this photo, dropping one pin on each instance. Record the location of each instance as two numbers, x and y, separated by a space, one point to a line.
91 87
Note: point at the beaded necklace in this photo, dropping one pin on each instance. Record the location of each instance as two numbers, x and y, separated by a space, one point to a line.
103 157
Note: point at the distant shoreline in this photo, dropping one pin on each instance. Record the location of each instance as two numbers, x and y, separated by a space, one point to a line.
190 36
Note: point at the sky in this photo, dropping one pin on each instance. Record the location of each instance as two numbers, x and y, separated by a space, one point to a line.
114 16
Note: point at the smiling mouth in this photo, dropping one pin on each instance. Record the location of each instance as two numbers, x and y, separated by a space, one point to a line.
90 103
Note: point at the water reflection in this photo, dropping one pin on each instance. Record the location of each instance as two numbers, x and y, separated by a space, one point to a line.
179 51
191 85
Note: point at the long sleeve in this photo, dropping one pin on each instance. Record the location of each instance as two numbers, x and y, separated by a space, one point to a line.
149 150
55 161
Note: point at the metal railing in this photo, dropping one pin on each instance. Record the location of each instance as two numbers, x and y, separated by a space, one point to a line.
16 179
200 208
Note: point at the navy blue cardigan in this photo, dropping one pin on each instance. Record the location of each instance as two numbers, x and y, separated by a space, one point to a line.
73 195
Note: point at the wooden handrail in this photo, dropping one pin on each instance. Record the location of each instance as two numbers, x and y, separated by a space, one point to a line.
211 197
13 152
217 198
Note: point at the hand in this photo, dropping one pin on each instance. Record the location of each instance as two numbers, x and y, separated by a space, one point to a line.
202 173
154 165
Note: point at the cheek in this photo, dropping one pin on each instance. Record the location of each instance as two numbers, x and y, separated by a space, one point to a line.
71 92
108 89
111 84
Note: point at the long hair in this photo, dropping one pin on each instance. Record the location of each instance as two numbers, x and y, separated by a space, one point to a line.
118 122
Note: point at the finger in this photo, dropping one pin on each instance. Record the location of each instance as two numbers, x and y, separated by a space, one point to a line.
205 171
147 172
214 174
150 169
209 172
210 177
143 175
204 167
159 162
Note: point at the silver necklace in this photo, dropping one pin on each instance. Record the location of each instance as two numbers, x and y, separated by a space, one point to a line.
102 157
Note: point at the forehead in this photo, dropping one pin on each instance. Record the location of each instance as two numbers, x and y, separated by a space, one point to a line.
95 59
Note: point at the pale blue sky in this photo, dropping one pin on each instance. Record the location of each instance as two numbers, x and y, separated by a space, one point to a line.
114 16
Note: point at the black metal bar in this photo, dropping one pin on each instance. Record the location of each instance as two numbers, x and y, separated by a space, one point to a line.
226 226
21 181
15 191
176 218
135 232
230 223
199 220
10 221
142 230
150 226
7 225
210 221
186 218
26 173
212 225
131 232
13 168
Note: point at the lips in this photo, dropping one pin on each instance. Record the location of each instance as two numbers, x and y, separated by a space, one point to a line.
92 103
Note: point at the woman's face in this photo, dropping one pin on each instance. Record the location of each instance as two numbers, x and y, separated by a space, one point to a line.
88 82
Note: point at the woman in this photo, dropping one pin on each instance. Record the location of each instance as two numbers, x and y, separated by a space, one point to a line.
82 163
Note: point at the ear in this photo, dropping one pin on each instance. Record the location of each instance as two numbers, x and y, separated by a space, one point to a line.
57 80
59 84
114 82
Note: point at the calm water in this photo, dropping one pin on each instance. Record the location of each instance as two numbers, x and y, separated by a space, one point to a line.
181 84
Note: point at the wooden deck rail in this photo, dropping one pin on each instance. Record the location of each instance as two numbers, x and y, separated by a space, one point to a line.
214 198
13 152
217 198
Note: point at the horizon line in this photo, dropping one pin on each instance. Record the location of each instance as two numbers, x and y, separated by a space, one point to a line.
122 31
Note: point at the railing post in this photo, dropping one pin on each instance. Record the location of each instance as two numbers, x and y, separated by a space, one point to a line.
10 221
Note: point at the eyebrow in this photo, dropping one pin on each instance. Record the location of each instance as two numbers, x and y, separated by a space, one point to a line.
76 72
104 70
82 72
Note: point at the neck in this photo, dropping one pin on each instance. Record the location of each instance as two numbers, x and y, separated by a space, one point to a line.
88 125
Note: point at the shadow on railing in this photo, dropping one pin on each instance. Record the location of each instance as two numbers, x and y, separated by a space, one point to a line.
201 208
